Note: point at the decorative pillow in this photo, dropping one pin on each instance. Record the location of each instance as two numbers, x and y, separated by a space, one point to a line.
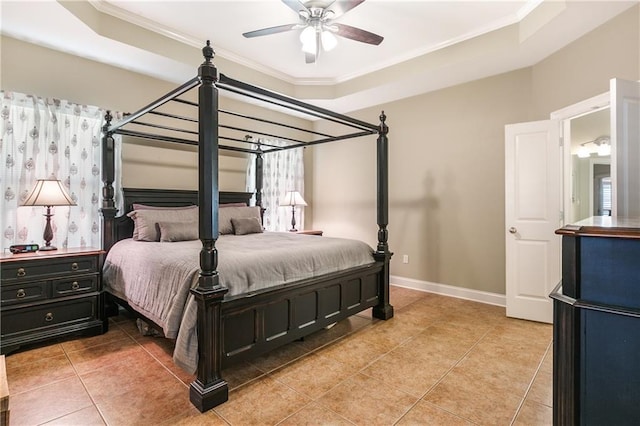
147 207
177 231
233 205
145 228
249 225
224 216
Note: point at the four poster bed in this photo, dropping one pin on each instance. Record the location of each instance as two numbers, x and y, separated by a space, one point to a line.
232 323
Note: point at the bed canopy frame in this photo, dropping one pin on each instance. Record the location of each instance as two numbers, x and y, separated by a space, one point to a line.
369 286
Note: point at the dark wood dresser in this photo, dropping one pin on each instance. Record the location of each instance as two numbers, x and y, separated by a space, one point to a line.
596 331
46 295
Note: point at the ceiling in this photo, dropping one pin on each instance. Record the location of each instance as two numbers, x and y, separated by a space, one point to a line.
427 45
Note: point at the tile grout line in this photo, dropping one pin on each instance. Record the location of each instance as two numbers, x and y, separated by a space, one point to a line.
526 393
348 377
93 401
463 356
270 374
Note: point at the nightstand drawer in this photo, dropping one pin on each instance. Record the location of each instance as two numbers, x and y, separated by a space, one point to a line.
74 285
48 315
15 271
23 293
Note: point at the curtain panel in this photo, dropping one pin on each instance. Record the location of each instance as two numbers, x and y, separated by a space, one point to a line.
43 138
283 171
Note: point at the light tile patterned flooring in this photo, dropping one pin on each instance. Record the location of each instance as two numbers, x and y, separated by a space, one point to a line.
439 361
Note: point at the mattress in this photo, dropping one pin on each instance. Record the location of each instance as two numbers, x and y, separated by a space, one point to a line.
154 278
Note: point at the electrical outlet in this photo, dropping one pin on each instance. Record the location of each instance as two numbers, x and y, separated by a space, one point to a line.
405 258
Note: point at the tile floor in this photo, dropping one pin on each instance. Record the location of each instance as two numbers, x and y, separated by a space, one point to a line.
439 361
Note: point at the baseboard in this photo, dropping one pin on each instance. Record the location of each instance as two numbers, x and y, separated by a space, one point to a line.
449 290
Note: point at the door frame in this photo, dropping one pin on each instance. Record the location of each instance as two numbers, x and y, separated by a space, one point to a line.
564 116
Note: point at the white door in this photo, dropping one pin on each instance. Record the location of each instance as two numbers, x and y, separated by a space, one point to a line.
533 194
625 147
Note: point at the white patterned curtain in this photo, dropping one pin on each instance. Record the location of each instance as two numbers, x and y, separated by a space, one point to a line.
283 171
50 139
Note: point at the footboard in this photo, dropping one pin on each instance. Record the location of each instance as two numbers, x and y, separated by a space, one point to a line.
254 324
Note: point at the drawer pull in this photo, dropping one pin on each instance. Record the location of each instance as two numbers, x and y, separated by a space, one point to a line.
48 317
21 272
21 293
75 285
74 266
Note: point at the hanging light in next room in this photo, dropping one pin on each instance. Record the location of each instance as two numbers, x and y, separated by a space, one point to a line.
600 146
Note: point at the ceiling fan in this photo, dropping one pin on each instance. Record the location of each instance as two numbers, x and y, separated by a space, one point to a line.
318 28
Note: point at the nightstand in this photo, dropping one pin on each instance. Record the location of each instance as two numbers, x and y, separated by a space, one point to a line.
46 295
310 232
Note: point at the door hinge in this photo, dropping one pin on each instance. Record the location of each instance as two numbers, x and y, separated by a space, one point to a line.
561 216
561 140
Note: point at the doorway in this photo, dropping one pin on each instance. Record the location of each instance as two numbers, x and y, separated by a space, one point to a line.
621 187
590 183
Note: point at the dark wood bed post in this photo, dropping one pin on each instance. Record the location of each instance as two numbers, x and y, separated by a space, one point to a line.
259 177
383 310
209 389
108 209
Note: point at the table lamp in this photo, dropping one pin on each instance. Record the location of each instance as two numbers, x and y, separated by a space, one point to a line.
48 193
293 199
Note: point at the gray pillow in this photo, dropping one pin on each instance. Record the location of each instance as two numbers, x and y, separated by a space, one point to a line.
178 231
145 228
248 225
224 217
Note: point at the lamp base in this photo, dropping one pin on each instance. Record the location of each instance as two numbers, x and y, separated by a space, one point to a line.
48 233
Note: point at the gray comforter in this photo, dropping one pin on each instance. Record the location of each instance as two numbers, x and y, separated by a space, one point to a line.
155 278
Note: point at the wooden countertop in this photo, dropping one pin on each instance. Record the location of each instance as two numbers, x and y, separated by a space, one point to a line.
603 226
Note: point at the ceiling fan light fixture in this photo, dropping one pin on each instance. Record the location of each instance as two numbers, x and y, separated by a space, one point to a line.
329 41
309 48
308 36
319 33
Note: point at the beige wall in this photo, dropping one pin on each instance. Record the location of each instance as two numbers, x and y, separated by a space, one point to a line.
447 160
446 181
584 68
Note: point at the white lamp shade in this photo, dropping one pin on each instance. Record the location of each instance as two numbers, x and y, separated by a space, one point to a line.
48 192
308 39
328 40
308 35
292 198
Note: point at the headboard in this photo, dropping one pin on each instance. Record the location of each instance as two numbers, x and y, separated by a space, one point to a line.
165 198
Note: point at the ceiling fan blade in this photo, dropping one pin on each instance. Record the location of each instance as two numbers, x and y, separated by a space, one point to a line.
357 34
270 30
309 58
295 5
312 57
340 7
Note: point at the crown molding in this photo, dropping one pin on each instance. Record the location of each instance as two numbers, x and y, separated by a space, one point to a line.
134 19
